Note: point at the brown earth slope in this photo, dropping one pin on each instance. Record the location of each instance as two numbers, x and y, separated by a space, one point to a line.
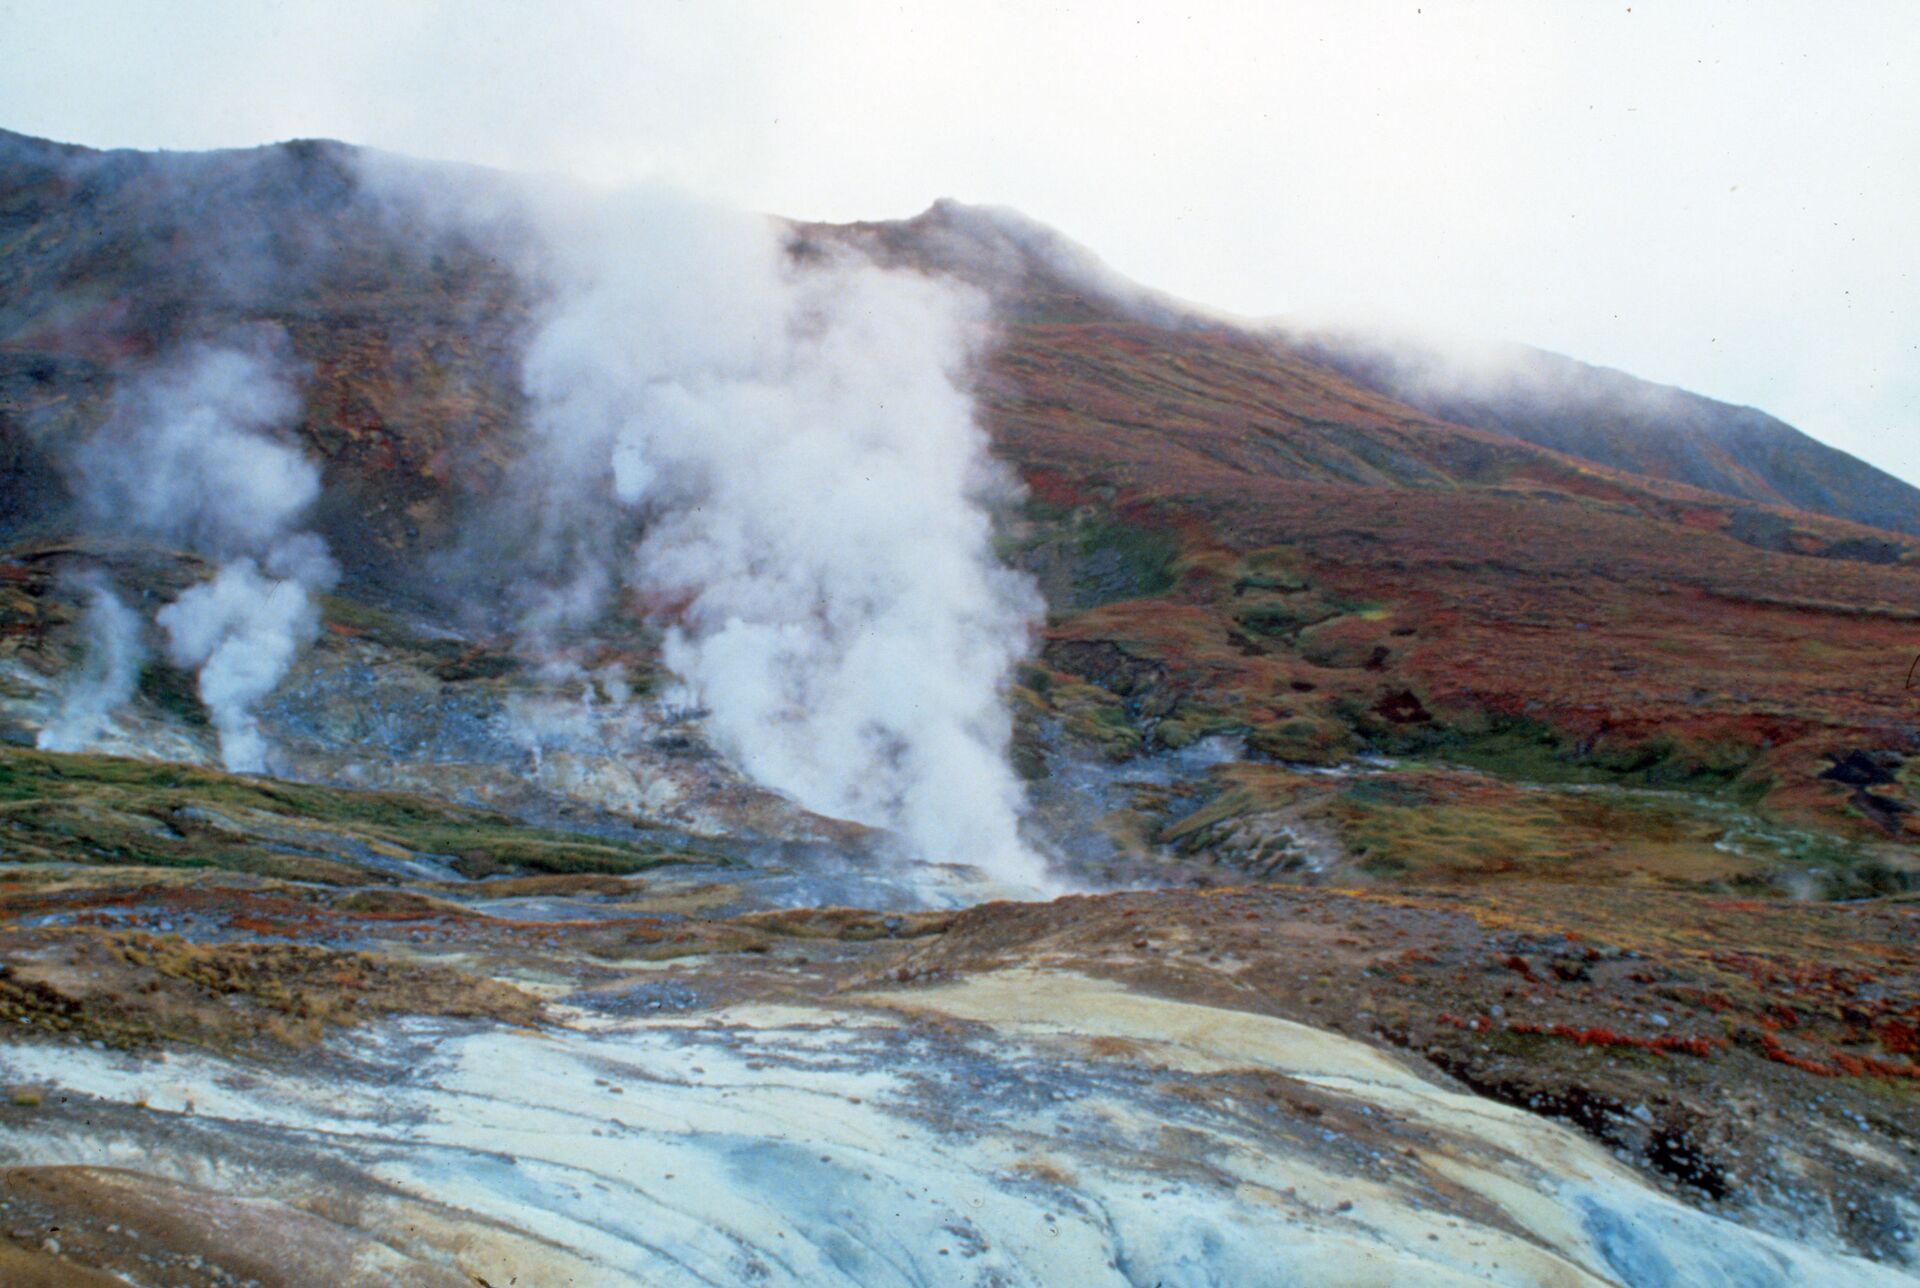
1263 545
1233 536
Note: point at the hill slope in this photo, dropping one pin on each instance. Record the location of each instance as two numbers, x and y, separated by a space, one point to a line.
1338 570
1629 424
1233 535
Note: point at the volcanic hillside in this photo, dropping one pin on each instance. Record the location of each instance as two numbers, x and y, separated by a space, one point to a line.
1234 533
1518 849
1284 550
1609 417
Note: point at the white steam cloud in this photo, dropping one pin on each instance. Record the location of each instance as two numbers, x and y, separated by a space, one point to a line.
106 680
243 631
188 458
795 447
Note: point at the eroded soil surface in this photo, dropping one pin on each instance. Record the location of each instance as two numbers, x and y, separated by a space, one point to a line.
595 1078
567 1001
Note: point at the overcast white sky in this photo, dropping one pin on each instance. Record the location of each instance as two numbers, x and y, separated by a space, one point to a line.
1723 196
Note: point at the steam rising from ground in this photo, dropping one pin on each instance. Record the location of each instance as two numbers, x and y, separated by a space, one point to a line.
243 631
770 457
106 680
794 447
187 458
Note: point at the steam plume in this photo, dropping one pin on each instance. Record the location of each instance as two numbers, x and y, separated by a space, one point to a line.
243 631
106 680
187 458
795 447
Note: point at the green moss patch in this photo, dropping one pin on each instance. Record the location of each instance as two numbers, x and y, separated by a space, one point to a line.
104 810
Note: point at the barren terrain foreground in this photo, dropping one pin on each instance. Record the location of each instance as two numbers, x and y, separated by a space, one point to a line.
1496 817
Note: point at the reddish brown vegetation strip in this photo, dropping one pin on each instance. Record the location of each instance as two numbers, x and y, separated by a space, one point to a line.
1596 1037
1839 1064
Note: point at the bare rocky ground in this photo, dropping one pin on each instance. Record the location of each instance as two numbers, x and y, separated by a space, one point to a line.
569 1002
294 1086
584 1078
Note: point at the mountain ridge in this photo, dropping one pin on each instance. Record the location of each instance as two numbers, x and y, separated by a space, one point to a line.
1591 413
1599 414
1617 419
1449 575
